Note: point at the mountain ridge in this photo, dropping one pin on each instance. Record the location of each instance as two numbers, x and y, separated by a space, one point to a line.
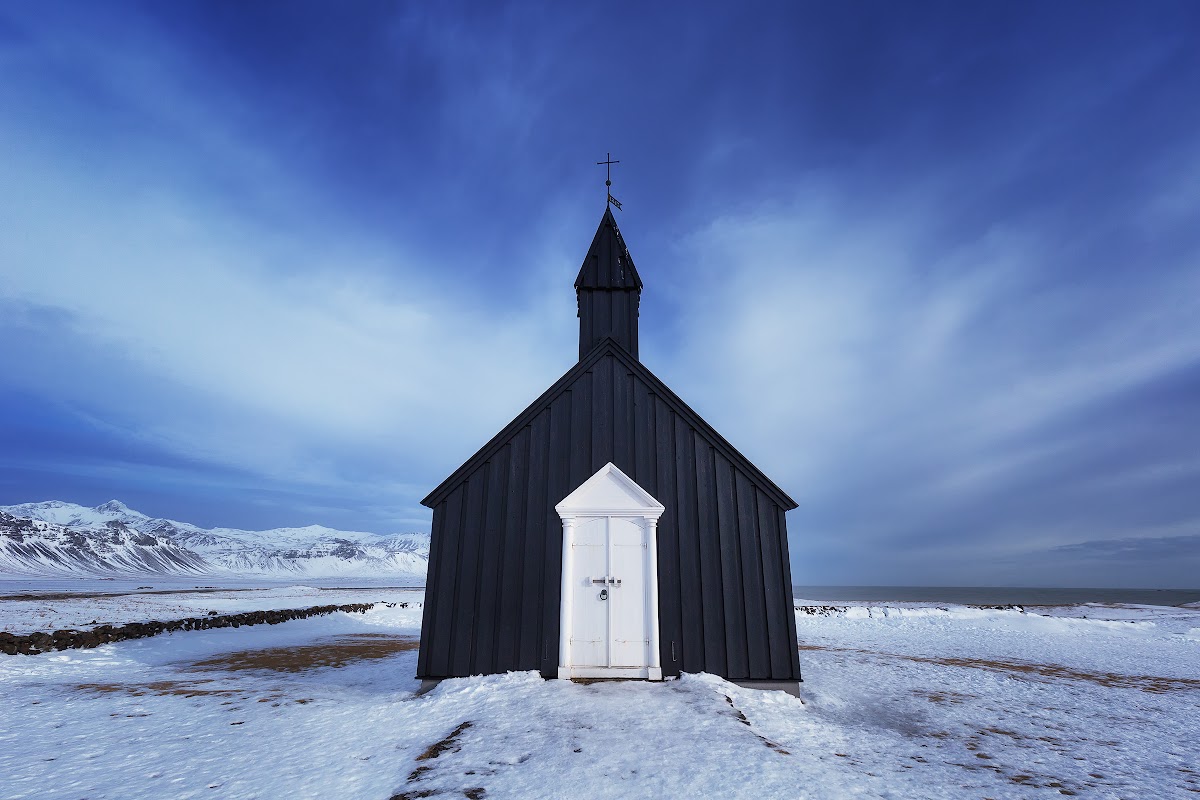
57 538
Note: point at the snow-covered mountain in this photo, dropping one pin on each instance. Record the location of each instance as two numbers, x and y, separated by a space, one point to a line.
57 538
32 546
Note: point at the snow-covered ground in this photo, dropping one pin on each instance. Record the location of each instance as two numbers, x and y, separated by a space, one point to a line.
899 702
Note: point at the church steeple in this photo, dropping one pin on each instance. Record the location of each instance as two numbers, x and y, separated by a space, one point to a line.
609 291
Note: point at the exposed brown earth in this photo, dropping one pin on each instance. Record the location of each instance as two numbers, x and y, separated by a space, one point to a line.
335 652
741 717
449 744
197 688
944 696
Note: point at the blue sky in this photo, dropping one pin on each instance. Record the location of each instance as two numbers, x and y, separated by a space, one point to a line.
935 267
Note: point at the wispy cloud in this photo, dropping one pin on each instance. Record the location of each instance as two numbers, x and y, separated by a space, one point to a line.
261 338
916 400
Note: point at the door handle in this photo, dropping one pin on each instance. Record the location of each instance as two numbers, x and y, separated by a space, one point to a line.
604 594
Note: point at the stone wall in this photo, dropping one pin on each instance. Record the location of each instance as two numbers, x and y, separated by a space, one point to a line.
34 643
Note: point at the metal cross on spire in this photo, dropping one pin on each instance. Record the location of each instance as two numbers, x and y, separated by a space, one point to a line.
608 180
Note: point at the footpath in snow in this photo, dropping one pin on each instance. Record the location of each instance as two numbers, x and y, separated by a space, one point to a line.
899 702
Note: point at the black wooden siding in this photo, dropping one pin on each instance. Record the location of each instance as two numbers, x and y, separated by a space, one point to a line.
608 313
725 596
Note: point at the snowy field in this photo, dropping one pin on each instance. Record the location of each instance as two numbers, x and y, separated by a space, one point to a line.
905 701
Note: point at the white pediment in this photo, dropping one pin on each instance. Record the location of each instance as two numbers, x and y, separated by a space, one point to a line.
610 492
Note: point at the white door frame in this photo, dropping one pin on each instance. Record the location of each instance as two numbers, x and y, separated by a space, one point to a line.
610 493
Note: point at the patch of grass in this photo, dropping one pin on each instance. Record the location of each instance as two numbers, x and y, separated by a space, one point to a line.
335 652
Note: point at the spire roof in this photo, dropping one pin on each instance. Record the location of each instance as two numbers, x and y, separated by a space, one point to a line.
608 264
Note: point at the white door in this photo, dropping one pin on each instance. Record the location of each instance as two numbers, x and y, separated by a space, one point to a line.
608 617
609 566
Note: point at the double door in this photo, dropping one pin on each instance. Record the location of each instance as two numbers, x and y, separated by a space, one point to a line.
611 606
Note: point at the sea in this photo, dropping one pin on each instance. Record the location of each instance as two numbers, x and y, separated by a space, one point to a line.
996 595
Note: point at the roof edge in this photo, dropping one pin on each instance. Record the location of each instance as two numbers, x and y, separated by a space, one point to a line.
718 441
518 422
603 347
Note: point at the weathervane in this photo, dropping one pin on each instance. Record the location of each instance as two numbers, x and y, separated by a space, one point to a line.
608 180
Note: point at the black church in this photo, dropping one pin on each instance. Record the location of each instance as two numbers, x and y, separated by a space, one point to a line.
608 530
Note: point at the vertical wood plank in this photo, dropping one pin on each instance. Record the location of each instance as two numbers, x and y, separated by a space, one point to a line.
602 413
532 590
643 440
618 316
634 302
690 590
623 419
731 566
512 577
447 578
470 539
581 430
773 583
556 483
754 605
708 545
602 313
428 610
787 587
483 659
669 599
643 443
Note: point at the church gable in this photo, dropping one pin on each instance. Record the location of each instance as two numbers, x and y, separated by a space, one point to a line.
605 424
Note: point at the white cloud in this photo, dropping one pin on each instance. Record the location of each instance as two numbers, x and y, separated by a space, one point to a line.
259 349
854 373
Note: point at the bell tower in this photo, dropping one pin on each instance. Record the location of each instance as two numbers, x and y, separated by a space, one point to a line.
608 290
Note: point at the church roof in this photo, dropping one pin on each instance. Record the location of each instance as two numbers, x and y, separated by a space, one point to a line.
608 264
610 347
